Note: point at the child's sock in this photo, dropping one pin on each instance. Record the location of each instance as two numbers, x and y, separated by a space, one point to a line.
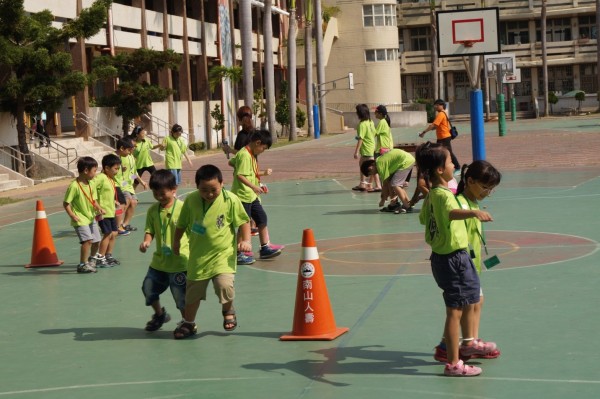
442 345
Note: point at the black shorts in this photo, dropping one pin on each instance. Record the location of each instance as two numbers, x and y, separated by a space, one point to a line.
108 225
150 169
456 275
120 196
256 212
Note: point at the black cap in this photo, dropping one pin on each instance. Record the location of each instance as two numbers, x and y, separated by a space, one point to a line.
439 101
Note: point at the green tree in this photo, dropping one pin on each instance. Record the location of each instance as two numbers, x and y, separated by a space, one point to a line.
134 96
37 70
552 99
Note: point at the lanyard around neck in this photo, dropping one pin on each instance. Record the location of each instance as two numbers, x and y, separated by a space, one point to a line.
89 197
163 229
480 234
254 163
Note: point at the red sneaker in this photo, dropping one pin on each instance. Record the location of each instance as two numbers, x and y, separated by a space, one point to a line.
442 356
491 355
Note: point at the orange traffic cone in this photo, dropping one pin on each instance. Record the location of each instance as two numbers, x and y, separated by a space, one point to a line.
313 317
43 253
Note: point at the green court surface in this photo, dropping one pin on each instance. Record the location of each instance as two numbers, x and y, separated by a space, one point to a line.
81 336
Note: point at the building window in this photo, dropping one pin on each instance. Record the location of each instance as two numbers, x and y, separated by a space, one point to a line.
524 88
419 39
379 15
587 27
560 79
381 54
589 78
557 30
514 32
422 87
462 86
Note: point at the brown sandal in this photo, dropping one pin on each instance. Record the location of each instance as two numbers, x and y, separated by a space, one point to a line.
185 330
231 322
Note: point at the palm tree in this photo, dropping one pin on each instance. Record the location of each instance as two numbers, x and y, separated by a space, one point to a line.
434 55
320 66
292 67
308 64
246 39
269 66
544 59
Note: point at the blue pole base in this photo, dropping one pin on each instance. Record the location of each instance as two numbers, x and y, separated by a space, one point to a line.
316 121
477 126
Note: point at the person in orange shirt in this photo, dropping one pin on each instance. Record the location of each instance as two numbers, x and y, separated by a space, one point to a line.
441 125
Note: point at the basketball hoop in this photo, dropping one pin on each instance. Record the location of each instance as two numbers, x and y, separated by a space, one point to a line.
467 43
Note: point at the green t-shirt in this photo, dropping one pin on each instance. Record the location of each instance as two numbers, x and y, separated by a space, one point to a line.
127 173
81 196
213 240
393 161
444 236
244 164
105 190
142 154
174 150
366 131
473 227
160 223
383 133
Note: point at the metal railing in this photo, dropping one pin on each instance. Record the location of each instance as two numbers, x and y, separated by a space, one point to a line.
99 127
18 158
62 152
163 126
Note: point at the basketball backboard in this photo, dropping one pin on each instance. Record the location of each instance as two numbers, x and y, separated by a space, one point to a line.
507 62
468 32
514 77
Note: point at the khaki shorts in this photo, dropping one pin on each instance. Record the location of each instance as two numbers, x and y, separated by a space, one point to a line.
222 283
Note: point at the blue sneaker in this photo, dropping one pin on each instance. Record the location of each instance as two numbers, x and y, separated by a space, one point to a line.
243 259
270 251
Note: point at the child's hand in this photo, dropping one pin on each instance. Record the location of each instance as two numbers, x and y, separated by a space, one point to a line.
144 246
484 216
245 246
75 218
258 190
356 155
144 184
268 172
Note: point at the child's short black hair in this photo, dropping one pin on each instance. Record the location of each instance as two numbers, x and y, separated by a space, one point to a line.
86 163
364 167
110 160
208 172
263 135
136 131
176 128
125 143
162 179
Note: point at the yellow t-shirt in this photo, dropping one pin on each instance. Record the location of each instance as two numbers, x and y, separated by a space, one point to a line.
160 223
212 233
81 197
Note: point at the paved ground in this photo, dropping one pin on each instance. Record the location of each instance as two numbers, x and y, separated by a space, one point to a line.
66 335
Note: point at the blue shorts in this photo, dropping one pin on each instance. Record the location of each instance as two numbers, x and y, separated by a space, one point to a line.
177 174
256 212
157 282
456 275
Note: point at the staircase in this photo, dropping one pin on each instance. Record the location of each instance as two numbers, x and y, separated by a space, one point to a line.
6 183
76 147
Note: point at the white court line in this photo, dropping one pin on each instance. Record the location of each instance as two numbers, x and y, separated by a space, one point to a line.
183 380
128 383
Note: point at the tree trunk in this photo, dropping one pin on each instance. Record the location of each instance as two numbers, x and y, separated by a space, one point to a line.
320 67
292 70
434 55
246 39
544 58
308 67
22 136
269 67
207 127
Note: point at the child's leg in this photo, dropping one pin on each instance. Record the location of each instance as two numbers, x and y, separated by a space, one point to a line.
111 243
132 204
177 283
402 196
104 243
94 248
85 251
477 317
452 333
225 291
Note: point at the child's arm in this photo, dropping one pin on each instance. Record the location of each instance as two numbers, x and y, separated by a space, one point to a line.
69 211
267 172
146 243
357 149
140 181
177 240
258 190
462 214
245 245
188 159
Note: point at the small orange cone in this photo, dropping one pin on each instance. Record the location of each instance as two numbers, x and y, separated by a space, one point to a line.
313 317
43 253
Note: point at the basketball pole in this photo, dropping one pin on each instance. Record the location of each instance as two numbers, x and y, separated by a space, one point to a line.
476 108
